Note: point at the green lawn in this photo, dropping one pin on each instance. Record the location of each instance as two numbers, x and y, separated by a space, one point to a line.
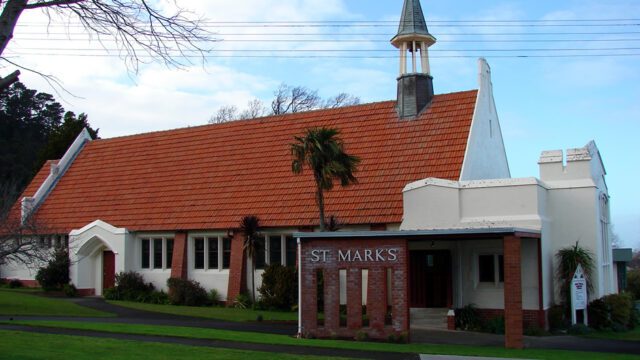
26 345
632 335
21 302
221 313
261 338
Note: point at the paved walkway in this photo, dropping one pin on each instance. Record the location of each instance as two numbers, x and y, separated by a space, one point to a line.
134 316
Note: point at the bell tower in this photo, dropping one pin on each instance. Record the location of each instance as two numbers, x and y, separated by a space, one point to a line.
415 84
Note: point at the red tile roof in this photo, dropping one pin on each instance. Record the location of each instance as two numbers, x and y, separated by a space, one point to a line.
208 177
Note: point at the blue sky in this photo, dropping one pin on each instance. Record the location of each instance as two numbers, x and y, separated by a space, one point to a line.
543 103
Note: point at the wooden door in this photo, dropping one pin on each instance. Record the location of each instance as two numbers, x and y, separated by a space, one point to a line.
108 270
430 278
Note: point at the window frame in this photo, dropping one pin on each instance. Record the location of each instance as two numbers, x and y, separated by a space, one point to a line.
497 280
221 252
151 238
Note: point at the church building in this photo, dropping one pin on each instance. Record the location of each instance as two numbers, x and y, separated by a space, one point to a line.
434 223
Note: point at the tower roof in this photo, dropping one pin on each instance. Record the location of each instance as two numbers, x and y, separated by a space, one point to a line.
412 25
412 20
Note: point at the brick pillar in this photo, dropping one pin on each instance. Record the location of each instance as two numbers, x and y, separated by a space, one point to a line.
179 261
512 292
354 299
377 299
331 299
309 300
237 266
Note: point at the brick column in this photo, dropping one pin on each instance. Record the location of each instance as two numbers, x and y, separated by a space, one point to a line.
331 298
237 266
179 261
309 300
354 298
377 299
512 292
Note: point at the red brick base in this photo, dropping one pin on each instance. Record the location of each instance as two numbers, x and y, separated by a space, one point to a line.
86 292
25 283
530 318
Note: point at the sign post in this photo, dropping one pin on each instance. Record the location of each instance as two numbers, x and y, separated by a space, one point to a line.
578 292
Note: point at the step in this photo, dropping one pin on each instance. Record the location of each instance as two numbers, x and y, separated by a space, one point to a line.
429 318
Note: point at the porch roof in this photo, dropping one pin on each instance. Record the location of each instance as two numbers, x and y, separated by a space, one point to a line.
452 234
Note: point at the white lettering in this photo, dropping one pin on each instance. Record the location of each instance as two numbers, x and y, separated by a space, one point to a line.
324 255
367 255
379 256
393 254
315 256
357 256
344 256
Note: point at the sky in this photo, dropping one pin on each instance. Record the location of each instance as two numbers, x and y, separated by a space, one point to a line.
544 103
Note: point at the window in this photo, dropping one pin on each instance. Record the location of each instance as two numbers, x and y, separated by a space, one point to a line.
212 252
145 254
260 253
169 253
291 250
198 244
156 253
275 249
226 255
490 268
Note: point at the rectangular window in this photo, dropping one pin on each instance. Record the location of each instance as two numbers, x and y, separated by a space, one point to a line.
486 269
157 253
198 245
260 253
145 254
501 268
213 253
275 249
169 254
292 250
226 252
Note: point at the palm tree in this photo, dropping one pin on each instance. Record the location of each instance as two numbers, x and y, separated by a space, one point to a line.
250 225
322 151
568 259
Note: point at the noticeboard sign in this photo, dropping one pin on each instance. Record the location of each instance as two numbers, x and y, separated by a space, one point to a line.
578 292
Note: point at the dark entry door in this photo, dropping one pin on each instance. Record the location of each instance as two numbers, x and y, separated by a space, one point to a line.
108 270
430 278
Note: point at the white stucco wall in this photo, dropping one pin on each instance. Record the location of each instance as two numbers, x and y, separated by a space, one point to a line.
564 206
485 156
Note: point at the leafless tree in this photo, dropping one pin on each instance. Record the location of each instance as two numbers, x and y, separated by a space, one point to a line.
225 113
340 100
255 108
140 29
289 99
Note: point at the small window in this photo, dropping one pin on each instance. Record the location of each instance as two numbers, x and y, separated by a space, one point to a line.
213 253
199 253
486 269
260 253
145 254
226 252
275 249
157 253
291 248
169 254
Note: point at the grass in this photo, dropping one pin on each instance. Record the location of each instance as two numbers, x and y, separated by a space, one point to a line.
631 335
220 313
20 302
26 345
250 337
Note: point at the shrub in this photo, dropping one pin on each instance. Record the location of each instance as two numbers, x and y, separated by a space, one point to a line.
130 286
557 319
579 329
633 283
468 318
361 335
279 288
15 283
70 290
214 297
56 274
495 325
186 292
598 315
242 301
535 330
158 297
620 307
